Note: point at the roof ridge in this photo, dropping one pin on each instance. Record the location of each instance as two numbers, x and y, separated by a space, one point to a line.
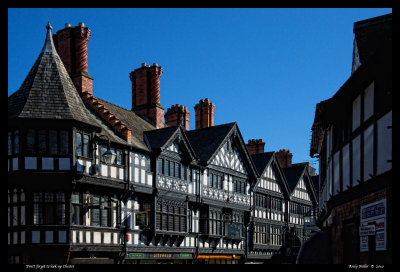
112 103
211 127
107 115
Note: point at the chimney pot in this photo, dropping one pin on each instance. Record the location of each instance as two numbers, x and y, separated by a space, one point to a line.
81 24
146 93
284 158
255 146
177 114
204 111
72 48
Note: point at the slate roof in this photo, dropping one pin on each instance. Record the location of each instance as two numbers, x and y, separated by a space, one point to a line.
133 121
48 92
205 141
159 137
293 175
261 160
371 34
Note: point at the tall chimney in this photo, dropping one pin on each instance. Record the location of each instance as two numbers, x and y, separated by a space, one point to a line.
176 115
204 114
255 146
146 93
284 158
71 44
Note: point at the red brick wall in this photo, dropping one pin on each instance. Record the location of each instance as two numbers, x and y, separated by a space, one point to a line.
350 211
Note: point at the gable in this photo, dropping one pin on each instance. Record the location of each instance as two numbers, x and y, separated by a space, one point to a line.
269 180
229 157
174 147
178 146
302 190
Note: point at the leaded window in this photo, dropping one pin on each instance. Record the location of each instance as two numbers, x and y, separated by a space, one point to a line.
82 147
100 211
13 142
77 209
49 208
171 215
215 181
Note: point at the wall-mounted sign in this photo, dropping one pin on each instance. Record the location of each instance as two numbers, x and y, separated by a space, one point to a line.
159 256
141 219
373 214
367 230
233 230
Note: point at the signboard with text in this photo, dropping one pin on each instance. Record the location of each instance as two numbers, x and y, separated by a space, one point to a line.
373 222
141 219
233 230
159 256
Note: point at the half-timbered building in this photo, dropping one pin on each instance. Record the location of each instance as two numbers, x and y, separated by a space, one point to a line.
270 197
301 206
227 174
92 182
354 147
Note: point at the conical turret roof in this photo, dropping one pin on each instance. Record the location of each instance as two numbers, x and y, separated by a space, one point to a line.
48 92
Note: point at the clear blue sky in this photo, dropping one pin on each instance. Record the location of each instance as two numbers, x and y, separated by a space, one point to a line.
266 69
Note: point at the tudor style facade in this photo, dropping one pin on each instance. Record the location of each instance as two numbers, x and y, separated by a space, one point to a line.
303 203
91 182
270 209
354 147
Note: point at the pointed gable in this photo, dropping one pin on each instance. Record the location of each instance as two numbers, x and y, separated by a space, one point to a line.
206 141
222 146
48 92
300 183
270 172
228 157
171 139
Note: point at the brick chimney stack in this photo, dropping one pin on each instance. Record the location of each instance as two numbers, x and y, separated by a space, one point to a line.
176 115
71 45
284 158
255 146
146 93
204 114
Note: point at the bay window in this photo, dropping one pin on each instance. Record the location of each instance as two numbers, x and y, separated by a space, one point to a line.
49 208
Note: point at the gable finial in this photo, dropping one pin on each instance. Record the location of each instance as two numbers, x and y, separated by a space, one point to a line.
48 26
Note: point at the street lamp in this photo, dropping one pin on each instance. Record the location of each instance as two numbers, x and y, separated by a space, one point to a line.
109 155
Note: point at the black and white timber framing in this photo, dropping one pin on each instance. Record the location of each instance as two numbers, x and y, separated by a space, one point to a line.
170 195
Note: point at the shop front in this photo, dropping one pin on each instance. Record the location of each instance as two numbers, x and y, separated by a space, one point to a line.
218 259
159 258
